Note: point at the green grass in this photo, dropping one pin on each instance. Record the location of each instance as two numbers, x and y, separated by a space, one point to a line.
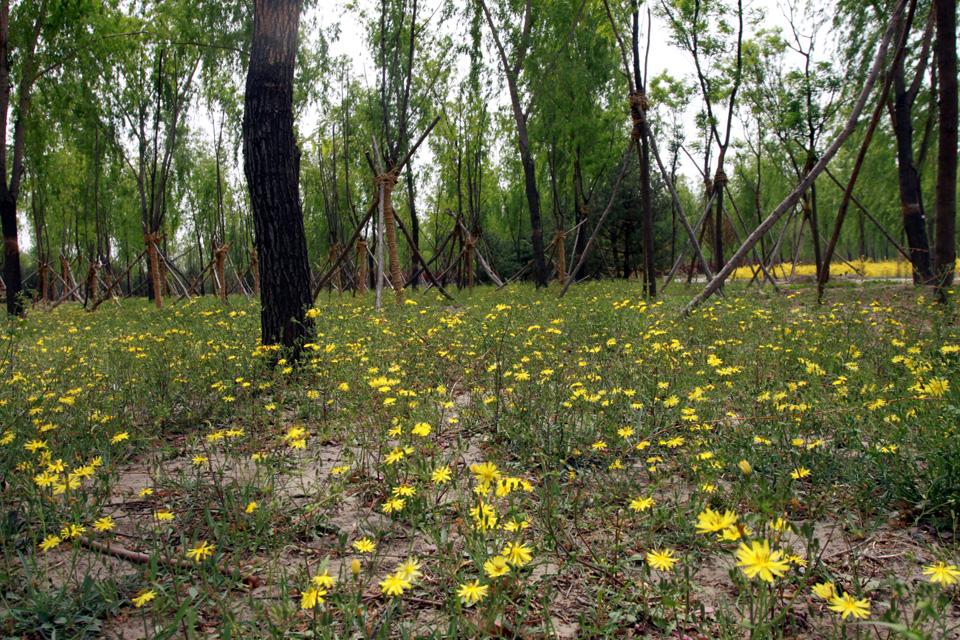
613 424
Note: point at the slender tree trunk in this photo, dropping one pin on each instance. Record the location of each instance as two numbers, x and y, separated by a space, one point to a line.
533 202
811 209
946 194
272 168
718 182
414 219
911 194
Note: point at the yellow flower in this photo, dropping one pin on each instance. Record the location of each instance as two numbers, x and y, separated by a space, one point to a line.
712 521
33 445
517 554
472 592
824 590
163 516
104 524
486 472
199 460
734 533
942 572
312 597
850 606
661 560
513 525
441 475
394 585
496 567
799 472
251 507
50 542
120 437
599 445
758 560
355 567
146 491
421 429
409 569
200 553
142 598
393 504
395 456
73 531
641 504
324 580
745 467
404 490
364 545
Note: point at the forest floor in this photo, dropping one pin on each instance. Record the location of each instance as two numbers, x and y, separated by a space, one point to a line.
508 465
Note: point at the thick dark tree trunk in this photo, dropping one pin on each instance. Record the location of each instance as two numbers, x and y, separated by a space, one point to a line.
11 252
946 194
272 167
911 195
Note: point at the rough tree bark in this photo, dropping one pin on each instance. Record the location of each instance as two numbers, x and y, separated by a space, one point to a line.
945 204
911 194
272 167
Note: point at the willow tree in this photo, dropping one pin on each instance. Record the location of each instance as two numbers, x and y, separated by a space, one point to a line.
525 83
37 40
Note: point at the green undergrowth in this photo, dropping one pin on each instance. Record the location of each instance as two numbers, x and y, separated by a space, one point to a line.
507 465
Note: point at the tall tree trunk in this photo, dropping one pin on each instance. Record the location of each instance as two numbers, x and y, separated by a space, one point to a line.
810 200
520 117
533 202
11 252
641 132
946 194
272 168
911 195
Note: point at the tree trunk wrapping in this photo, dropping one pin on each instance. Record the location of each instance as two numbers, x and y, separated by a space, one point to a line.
387 182
361 267
471 247
334 258
221 256
152 260
44 282
561 257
